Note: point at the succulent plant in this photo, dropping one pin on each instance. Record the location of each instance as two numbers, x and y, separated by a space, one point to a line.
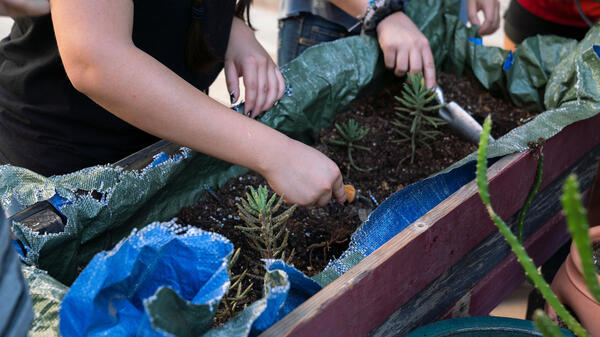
416 121
265 230
352 133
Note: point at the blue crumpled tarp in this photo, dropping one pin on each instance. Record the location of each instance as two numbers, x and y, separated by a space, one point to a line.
168 280
162 280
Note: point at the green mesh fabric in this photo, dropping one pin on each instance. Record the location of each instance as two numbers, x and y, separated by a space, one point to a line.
46 294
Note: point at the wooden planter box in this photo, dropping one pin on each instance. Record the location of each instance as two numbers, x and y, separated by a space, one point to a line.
452 261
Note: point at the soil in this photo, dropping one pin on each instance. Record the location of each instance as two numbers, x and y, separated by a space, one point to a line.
318 235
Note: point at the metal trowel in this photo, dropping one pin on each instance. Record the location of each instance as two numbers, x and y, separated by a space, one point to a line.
459 120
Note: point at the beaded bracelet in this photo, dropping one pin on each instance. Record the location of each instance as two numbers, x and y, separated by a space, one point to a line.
376 11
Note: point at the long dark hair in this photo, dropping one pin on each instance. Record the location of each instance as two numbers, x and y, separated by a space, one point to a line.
199 55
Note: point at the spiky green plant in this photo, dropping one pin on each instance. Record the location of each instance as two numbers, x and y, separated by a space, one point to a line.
577 222
416 121
352 133
237 296
265 230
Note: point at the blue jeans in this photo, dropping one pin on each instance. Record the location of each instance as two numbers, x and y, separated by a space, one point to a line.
297 33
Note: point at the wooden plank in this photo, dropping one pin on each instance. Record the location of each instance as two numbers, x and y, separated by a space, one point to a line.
508 275
451 294
371 291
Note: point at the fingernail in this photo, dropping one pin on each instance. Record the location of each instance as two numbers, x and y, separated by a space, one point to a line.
276 102
232 96
249 113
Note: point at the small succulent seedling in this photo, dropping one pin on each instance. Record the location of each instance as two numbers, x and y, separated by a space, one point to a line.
578 226
352 133
415 122
237 296
265 230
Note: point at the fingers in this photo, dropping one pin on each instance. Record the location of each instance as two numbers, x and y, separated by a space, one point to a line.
251 82
273 88
389 58
472 12
416 61
261 89
232 79
429 68
264 86
339 193
491 14
280 83
402 62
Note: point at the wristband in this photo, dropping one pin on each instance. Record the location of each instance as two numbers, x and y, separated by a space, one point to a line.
377 10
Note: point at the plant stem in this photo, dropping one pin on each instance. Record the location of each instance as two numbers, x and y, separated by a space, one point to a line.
530 269
534 189
579 228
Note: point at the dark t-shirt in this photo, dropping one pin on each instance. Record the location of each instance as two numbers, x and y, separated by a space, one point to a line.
51 128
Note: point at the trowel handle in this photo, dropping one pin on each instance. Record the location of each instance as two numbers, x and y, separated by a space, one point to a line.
462 122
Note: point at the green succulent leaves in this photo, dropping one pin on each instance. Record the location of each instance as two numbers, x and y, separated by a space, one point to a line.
265 230
352 133
416 121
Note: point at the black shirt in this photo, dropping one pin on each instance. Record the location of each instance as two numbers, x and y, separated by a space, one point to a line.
51 128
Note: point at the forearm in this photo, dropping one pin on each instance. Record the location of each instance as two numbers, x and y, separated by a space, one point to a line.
143 92
352 7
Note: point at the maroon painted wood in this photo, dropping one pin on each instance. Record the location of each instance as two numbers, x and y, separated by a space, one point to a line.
366 295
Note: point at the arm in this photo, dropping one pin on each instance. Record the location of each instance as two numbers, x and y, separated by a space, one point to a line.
17 8
404 47
94 40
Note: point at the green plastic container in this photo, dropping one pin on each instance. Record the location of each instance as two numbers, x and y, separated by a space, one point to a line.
486 326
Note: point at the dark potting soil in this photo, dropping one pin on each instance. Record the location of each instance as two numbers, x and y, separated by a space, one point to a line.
317 235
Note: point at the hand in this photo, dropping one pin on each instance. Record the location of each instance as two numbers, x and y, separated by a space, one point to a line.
305 176
247 58
491 14
18 8
405 48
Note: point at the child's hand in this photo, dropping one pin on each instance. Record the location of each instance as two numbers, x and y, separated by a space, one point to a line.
304 176
491 15
18 8
247 58
405 48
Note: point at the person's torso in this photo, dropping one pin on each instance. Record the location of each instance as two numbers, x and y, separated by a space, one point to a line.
564 12
43 116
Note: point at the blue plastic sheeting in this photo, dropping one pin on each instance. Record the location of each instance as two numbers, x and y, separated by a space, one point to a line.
300 288
394 215
152 283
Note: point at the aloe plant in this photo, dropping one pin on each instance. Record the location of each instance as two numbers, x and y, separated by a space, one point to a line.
572 205
265 230
415 121
352 133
